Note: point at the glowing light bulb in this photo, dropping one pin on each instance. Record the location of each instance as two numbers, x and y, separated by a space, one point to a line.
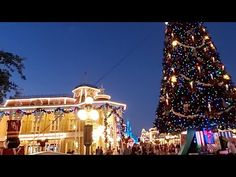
193 38
212 46
174 43
209 107
167 102
226 77
82 114
94 114
199 69
191 84
227 87
211 76
173 79
206 37
166 23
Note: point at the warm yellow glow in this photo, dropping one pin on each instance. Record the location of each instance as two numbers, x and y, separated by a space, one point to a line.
191 84
43 98
173 79
42 136
76 144
74 127
206 37
82 114
94 115
63 106
118 138
174 43
226 76
89 100
212 46
98 132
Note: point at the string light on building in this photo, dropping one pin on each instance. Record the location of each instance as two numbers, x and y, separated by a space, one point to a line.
223 67
166 23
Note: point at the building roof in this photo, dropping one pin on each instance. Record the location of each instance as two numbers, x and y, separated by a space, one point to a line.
40 101
86 85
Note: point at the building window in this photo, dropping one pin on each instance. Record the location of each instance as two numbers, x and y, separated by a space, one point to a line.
55 125
72 124
35 126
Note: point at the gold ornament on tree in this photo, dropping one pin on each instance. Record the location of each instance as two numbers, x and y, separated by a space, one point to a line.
206 37
173 79
226 77
174 43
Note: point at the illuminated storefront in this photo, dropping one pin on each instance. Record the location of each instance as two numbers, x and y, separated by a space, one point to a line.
51 123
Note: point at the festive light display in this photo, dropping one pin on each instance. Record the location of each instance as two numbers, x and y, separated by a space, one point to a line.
196 90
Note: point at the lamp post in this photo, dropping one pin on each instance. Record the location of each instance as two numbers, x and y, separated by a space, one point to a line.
88 114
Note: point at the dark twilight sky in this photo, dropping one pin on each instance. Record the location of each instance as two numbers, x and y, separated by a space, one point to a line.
58 54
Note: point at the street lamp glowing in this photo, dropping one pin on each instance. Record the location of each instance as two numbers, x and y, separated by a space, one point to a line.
82 114
94 115
89 100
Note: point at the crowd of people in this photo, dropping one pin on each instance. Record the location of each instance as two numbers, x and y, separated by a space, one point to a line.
142 149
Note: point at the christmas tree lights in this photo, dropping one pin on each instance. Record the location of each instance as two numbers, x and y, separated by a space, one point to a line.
196 90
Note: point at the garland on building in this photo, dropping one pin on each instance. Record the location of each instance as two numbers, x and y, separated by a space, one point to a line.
119 120
59 111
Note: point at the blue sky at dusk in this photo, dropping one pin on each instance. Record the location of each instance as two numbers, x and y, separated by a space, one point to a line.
58 54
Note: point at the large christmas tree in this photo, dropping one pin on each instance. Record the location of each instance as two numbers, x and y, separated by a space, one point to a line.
196 90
